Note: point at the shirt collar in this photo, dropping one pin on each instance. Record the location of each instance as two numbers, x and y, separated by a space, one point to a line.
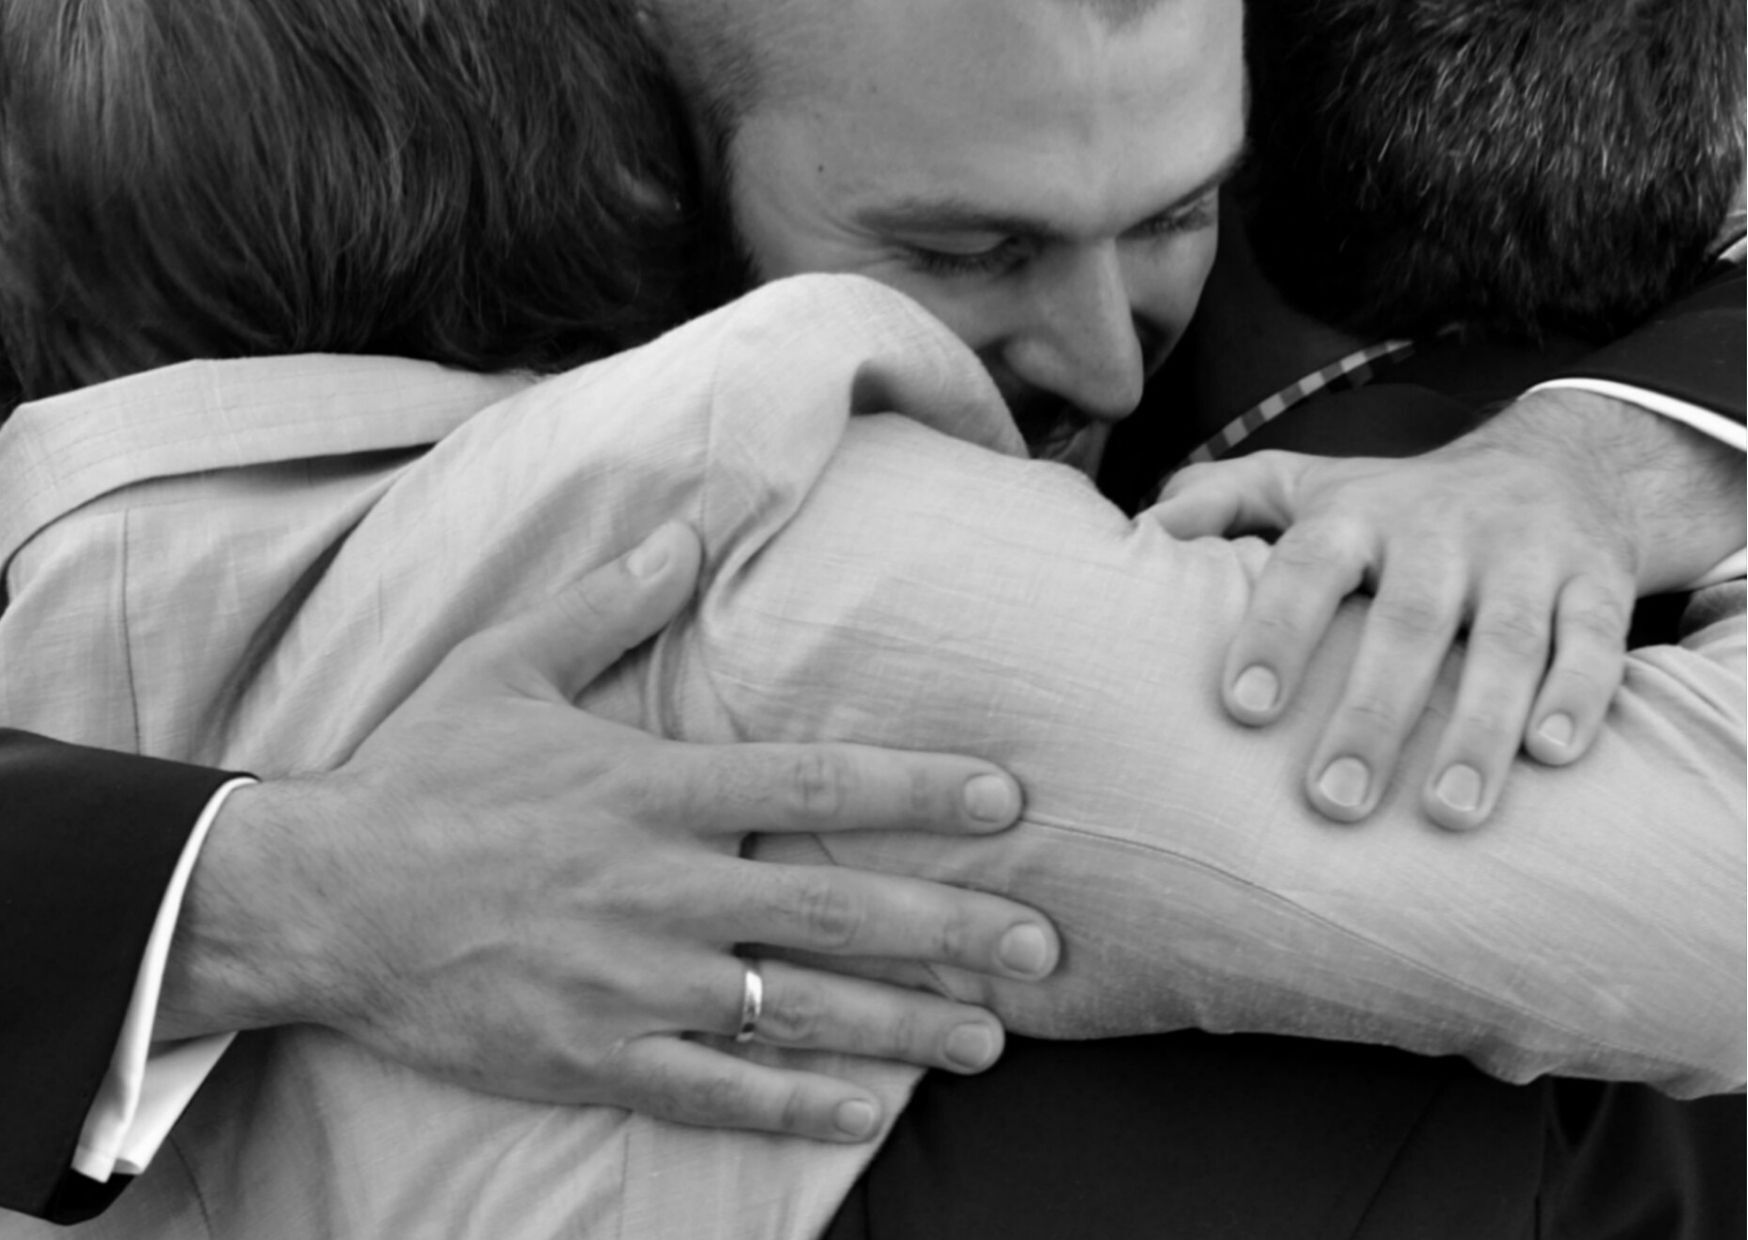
61 453
1351 371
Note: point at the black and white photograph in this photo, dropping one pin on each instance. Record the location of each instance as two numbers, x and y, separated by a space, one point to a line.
873 620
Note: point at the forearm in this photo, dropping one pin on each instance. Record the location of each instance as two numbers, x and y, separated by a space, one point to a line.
1595 929
1671 391
248 951
1676 493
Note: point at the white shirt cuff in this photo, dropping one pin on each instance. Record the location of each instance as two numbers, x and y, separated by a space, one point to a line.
1698 417
149 1085
1707 422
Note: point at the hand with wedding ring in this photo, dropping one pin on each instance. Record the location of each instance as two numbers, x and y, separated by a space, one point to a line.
508 893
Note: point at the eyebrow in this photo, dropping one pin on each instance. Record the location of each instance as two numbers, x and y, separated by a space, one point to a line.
950 213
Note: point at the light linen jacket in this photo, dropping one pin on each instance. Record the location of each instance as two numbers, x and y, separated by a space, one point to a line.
250 563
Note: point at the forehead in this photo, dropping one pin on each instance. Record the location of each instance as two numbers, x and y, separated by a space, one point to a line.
1036 108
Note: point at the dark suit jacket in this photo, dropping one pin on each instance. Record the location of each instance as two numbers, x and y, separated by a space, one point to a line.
1692 351
88 841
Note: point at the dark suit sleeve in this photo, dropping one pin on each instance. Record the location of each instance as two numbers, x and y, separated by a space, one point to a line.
88 842
1694 350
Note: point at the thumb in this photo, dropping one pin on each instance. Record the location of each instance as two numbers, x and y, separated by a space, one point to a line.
563 644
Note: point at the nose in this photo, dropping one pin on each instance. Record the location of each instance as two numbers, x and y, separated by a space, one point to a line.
1077 336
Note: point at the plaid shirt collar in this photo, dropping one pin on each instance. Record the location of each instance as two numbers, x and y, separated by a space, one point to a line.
1351 371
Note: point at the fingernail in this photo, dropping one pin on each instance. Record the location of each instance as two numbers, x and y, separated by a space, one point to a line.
1256 689
971 1047
990 798
856 1118
653 555
1025 951
1460 787
1557 729
1345 782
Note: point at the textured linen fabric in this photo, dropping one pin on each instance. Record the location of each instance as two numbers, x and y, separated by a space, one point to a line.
285 564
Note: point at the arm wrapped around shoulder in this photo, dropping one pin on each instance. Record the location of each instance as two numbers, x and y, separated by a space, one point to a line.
924 592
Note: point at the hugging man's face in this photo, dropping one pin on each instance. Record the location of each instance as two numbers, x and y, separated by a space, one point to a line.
1040 176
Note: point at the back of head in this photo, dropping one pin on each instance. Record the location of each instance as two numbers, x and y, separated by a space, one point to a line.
480 184
1521 167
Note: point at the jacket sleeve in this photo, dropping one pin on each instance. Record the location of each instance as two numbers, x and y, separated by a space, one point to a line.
1692 351
88 841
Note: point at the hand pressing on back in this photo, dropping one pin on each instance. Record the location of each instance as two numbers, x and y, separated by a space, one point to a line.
1531 538
504 891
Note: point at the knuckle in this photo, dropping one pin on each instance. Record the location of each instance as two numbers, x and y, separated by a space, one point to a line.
594 606
923 799
901 1035
707 784
799 1016
1603 621
1274 627
651 794
1485 730
1312 547
595 602
1585 680
953 938
793 1111
820 783
1370 715
1516 628
716 1097
1416 613
828 915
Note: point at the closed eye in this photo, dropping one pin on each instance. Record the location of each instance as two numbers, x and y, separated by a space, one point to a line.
1005 255
1204 212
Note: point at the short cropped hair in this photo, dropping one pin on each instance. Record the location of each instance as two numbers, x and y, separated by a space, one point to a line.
733 55
485 185
1519 167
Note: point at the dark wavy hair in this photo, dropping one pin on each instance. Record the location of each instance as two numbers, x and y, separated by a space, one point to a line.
1520 167
483 184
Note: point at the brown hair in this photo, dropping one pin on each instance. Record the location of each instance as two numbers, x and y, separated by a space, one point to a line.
485 185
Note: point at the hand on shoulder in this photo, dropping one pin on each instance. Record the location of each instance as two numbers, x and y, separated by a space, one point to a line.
506 892
1529 538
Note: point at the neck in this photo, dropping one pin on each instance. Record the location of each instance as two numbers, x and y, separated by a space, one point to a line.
1248 342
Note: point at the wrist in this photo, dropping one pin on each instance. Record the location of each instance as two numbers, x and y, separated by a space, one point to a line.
252 946
1667 495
